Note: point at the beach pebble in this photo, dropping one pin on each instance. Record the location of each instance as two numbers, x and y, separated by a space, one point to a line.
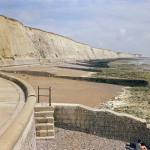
75 140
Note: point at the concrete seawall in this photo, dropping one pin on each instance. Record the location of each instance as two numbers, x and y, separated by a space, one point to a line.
22 129
103 123
12 100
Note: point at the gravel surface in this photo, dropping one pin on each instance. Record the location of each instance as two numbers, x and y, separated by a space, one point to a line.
74 140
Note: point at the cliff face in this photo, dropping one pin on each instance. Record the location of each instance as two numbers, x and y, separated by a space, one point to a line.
18 42
14 40
53 46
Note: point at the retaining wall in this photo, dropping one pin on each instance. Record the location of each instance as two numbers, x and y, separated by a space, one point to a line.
103 123
20 135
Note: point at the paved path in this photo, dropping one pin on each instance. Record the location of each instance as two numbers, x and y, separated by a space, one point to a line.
11 102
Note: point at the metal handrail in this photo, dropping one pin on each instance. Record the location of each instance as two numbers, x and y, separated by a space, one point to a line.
49 95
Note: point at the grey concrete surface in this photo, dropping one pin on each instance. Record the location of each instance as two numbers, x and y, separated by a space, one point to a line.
11 102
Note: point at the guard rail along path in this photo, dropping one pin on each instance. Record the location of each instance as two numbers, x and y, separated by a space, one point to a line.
21 133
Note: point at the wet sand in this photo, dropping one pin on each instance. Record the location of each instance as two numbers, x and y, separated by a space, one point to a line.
73 91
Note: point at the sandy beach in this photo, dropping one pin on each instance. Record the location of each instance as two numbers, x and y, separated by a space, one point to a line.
73 91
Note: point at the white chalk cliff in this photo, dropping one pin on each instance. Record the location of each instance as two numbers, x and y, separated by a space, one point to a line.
19 43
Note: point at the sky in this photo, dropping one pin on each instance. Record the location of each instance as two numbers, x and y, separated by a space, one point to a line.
120 25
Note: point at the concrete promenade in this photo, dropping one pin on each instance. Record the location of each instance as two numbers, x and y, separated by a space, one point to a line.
11 102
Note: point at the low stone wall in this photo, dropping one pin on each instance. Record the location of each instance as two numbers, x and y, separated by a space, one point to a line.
33 73
20 135
103 123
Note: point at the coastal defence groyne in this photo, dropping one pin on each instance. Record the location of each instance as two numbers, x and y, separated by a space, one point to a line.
101 122
108 80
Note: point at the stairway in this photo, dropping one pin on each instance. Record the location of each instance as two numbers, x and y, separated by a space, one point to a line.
44 122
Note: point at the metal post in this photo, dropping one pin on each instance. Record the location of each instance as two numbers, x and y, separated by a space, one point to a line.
50 96
38 94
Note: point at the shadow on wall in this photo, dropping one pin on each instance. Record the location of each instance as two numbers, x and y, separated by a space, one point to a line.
80 69
117 81
102 123
94 63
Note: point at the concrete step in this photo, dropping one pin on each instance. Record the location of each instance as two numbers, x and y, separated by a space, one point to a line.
44 126
46 138
44 120
44 133
43 108
44 114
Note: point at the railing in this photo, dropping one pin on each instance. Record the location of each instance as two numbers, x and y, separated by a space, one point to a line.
49 95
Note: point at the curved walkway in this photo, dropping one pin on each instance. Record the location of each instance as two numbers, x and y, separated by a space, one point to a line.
11 102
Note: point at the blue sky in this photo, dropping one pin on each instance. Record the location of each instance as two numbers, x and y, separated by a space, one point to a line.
121 25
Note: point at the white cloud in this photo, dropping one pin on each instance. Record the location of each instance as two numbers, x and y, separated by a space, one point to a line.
123 31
